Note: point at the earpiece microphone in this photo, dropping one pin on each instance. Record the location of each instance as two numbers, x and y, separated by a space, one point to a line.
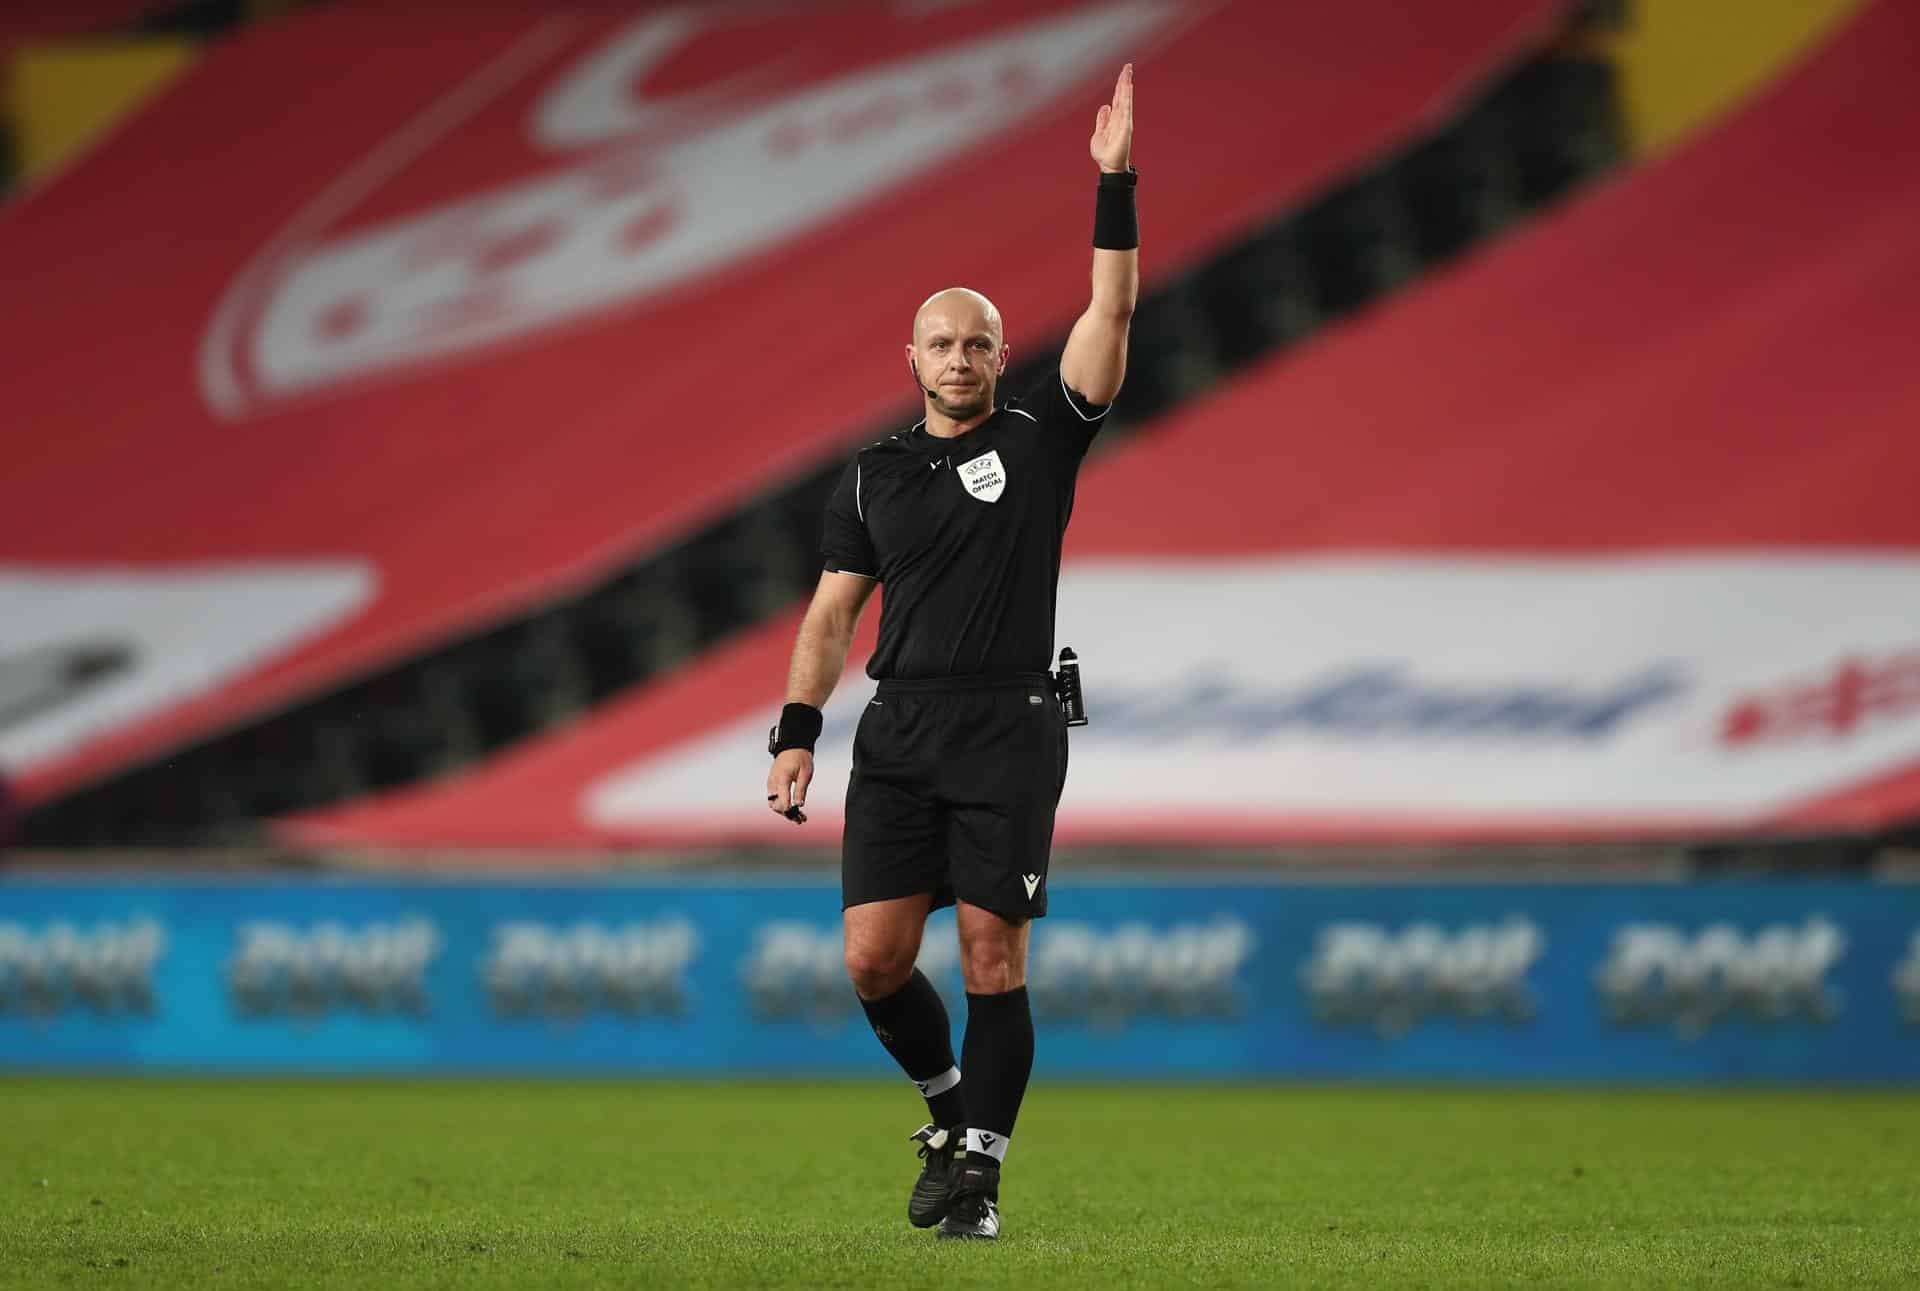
928 391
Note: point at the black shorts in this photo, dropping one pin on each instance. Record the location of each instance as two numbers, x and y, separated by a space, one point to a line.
954 786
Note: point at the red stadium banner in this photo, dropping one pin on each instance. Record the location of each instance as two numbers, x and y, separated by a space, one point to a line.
442 318
1610 533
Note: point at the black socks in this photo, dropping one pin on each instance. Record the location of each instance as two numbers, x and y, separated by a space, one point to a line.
912 1024
998 1052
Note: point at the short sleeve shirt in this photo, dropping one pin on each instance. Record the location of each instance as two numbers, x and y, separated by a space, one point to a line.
964 535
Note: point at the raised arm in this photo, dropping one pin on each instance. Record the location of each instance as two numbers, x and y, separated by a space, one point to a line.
819 654
1095 360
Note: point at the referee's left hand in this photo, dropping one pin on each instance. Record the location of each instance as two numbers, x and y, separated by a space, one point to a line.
1112 142
788 780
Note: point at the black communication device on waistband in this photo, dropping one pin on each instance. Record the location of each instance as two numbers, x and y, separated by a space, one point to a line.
1066 688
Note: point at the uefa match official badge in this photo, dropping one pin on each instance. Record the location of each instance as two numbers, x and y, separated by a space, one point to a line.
984 476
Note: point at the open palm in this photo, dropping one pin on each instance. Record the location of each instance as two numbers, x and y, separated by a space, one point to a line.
1112 143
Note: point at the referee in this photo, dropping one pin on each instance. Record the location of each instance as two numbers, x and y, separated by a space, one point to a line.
961 754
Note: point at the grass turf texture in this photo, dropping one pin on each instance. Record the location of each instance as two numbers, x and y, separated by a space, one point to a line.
400 1185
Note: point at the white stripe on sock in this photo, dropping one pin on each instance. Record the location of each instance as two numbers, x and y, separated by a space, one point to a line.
939 1084
987 1143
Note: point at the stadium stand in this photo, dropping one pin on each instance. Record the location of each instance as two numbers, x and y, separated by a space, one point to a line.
1606 533
69 69
436 450
29 20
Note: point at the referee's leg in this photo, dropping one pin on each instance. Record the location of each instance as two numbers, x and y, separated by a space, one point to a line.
997 1051
1002 794
882 940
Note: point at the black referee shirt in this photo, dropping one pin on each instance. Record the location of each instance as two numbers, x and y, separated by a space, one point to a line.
965 535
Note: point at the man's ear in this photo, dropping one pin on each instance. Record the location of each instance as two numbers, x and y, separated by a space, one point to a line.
1005 350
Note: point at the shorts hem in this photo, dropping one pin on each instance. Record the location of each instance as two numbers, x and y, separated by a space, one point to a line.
942 897
1011 916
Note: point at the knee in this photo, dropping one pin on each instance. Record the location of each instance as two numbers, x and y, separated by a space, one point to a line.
991 966
877 971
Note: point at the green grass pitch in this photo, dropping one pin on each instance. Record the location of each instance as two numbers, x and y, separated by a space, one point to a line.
263 1183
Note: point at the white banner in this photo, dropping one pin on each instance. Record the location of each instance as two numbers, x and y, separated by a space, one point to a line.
86 651
1645 691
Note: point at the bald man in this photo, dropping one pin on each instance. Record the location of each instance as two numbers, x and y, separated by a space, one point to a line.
961 753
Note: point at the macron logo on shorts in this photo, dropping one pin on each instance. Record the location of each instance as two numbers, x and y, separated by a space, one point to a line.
1033 883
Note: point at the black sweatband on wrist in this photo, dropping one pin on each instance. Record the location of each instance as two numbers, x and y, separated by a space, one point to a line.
799 728
1116 224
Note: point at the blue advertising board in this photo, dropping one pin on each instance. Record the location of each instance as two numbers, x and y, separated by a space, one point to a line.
738 974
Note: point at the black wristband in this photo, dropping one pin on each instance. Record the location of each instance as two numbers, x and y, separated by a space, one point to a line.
1116 224
799 728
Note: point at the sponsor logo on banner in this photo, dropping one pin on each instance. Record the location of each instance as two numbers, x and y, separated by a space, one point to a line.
1367 974
1187 972
42 678
634 970
1374 702
1906 981
797 971
106 969
1075 971
1348 696
629 192
1657 974
1855 693
83 653
285 970
1384 702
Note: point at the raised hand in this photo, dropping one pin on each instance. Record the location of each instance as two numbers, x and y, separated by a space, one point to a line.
1112 144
